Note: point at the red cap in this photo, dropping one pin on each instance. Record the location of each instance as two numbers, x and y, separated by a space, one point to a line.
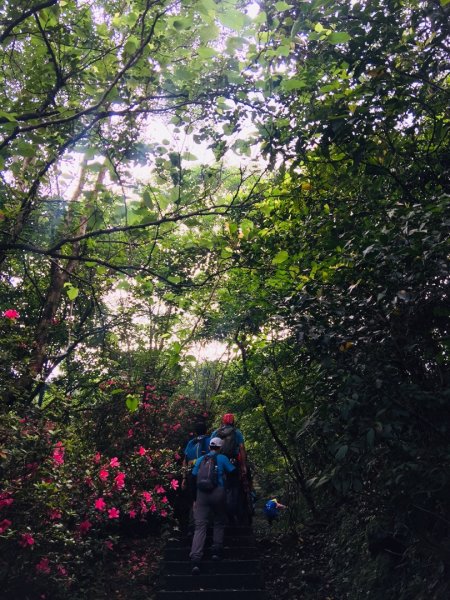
228 419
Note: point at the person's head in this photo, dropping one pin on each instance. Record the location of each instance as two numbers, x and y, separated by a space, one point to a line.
200 428
215 444
228 419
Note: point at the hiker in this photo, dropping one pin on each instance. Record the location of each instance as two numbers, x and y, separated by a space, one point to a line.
238 483
209 474
196 447
272 508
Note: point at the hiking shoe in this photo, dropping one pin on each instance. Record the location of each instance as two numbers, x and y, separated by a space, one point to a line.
195 570
216 553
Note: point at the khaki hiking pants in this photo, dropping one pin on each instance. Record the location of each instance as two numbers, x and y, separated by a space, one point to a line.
207 503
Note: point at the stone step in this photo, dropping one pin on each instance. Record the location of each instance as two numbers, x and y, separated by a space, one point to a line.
252 594
234 553
211 566
229 541
217 581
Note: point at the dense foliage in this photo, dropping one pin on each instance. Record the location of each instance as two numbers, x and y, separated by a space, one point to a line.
320 262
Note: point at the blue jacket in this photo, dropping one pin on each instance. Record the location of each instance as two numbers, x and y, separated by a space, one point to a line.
196 447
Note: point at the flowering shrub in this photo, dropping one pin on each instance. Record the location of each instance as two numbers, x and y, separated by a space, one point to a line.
68 492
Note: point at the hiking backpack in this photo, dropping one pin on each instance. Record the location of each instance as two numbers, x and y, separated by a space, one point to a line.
207 476
227 434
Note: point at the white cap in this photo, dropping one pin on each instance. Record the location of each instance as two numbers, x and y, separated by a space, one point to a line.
216 442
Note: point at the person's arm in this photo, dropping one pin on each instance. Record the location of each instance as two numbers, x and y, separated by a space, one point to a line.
227 466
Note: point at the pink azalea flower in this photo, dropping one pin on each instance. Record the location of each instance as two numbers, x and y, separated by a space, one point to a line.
120 480
147 496
62 570
142 451
163 513
177 456
26 539
4 525
130 433
43 566
58 454
103 474
164 500
109 544
84 527
132 514
97 458
160 490
55 514
176 427
113 513
5 499
11 314
153 507
114 462
100 504
174 484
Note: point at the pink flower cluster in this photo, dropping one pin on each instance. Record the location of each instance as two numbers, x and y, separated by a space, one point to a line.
58 454
11 314
4 525
5 499
26 539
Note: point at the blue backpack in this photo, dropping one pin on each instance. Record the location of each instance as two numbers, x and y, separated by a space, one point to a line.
198 447
270 509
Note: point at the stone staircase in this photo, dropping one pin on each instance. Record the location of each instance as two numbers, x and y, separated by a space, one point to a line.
237 576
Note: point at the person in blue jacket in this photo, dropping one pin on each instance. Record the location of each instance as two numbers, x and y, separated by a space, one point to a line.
234 447
195 447
209 501
272 508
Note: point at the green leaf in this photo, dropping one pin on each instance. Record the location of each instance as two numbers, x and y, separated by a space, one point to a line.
338 37
281 257
283 50
147 199
292 84
341 453
132 403
174 279
189 156
72 292
246 227
8 116
281 6
204 52
232 19
25 149
182 23
132 45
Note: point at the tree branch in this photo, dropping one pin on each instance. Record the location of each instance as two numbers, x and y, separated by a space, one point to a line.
24 16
